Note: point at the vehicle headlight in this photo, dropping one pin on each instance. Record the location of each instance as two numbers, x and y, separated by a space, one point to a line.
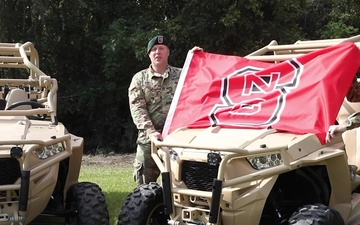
265 161
50 150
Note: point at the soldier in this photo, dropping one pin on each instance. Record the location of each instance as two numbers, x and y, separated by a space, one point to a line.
150 94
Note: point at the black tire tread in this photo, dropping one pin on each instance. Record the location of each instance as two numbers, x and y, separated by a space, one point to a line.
139 204
317 214
91 204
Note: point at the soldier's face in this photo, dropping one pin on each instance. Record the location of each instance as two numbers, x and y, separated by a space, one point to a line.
159 55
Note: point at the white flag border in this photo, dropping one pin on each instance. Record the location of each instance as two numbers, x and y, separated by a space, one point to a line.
176 97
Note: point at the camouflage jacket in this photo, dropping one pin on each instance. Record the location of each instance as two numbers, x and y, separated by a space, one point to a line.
353 121
150 97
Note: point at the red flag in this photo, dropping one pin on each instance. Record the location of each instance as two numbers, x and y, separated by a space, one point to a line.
301 95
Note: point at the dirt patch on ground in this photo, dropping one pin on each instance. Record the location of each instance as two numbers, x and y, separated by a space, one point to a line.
118 160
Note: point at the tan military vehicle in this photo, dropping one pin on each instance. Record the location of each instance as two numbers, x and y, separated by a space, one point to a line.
39 159
238 176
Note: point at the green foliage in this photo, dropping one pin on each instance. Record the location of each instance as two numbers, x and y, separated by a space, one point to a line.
94 47
116 183
342 23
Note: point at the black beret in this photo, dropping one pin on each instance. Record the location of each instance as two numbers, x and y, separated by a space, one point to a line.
158 40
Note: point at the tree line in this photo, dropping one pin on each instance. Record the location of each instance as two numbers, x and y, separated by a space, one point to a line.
94 47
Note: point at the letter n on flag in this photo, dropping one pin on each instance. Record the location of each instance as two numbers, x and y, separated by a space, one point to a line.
301 95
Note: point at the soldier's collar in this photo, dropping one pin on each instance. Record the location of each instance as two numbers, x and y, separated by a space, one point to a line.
153 73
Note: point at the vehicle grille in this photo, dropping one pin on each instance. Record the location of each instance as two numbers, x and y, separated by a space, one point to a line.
198 175
10 171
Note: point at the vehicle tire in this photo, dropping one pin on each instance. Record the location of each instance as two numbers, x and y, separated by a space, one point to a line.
317 214
88 203
144 206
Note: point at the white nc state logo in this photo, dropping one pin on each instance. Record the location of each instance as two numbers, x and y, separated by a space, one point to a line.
254 97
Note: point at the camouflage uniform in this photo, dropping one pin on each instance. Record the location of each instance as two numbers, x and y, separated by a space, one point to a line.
353 95
150 96
353 121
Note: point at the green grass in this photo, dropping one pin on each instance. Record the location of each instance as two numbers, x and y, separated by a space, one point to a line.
116 183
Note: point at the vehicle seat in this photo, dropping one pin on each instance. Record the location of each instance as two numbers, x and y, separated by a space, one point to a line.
17 95
351 138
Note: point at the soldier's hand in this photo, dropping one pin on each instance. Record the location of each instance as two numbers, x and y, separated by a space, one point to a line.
196 48
333 130
156 135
